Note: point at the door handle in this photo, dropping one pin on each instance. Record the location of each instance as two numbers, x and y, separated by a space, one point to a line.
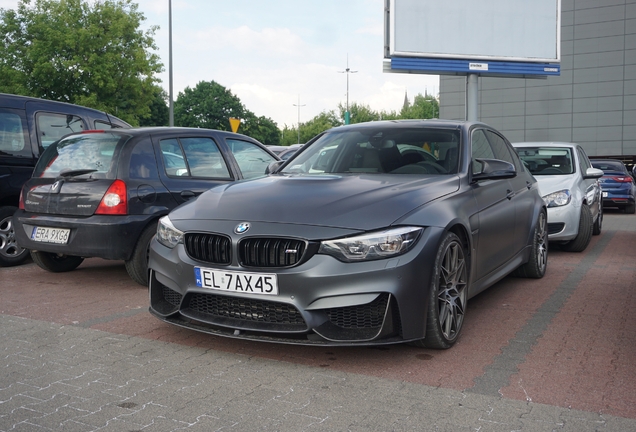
528 185
510 194
187 194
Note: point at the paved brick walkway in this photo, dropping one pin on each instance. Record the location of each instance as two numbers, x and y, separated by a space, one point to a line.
79 352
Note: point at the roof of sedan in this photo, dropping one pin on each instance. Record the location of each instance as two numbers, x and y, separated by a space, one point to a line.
544 144
451 124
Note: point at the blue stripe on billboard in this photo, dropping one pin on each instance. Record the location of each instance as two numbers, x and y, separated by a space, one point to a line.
438 66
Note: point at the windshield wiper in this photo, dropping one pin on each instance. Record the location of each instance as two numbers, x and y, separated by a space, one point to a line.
66 173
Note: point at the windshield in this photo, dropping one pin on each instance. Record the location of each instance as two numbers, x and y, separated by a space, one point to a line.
547 160
93 152
381 150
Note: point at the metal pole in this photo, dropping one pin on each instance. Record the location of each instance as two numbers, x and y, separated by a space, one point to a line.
472 97
347 71
171 103
298 105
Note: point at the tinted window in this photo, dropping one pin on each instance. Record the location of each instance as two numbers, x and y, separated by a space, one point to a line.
142 162
12 136
403 150
481 149
51 127
93 151
252 160
499 147
194 157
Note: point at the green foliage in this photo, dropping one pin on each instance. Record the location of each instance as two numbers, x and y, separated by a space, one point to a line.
423 107
159 111
359 113
323 121
207 105
88 53
210 105
262 129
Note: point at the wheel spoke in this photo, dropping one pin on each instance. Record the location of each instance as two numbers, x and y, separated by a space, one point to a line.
451 296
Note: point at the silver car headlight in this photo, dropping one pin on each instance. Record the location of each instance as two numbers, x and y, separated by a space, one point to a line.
372 246
558 199
167 234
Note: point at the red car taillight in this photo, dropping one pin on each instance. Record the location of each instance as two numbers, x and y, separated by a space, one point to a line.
114 201
622 179
21 203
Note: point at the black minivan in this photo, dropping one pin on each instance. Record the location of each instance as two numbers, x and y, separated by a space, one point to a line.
27 126
100 193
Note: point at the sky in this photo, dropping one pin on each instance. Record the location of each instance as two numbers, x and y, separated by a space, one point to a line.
284 59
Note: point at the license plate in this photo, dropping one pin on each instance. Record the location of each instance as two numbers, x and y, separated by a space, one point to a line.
50 235
238 282
604 194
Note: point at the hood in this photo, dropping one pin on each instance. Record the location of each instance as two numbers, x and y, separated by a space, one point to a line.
357 202
554 183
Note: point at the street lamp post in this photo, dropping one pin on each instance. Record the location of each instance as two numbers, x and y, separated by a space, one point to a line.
347 71
299 105
171 103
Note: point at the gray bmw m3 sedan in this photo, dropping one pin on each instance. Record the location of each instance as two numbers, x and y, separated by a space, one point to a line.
373 233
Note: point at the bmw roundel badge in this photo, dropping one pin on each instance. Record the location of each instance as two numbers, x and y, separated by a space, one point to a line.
242 228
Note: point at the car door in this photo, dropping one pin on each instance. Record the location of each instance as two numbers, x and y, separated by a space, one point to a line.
190 165
522 197
494 242
590 186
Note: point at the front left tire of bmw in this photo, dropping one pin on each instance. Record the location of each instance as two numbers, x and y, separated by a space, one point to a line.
447 295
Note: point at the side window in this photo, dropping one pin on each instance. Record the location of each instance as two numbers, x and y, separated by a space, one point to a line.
584 162
480 149
51 127
103 125
500 148
193 157
12 136
252 160
173 158
204 158
143 164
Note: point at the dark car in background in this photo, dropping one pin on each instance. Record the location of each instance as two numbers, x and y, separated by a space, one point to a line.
27 127
100 193
617 185
351 241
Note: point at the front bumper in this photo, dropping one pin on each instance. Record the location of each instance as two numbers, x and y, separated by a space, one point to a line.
321 301
108 237
563 222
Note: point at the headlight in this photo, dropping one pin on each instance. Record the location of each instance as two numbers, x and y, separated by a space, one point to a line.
167 234
557 199
372 246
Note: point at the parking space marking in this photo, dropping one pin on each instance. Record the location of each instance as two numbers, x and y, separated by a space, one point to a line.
497 374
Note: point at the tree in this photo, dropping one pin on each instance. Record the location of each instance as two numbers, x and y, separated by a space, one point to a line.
159 111
323 121
207 105
88 53
359 113
262 129
424 107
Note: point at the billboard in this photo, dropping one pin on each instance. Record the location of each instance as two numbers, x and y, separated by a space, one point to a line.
493 36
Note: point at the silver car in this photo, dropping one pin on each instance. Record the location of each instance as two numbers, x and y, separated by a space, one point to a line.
570 188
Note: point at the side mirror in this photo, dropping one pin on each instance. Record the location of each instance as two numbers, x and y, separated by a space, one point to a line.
494 169
593 173
273 167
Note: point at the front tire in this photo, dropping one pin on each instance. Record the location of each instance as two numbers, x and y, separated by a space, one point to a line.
56 263
583 238
11 253
537 264
447 295
137 265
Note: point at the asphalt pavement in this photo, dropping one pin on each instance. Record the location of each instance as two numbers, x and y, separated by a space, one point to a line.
80 352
